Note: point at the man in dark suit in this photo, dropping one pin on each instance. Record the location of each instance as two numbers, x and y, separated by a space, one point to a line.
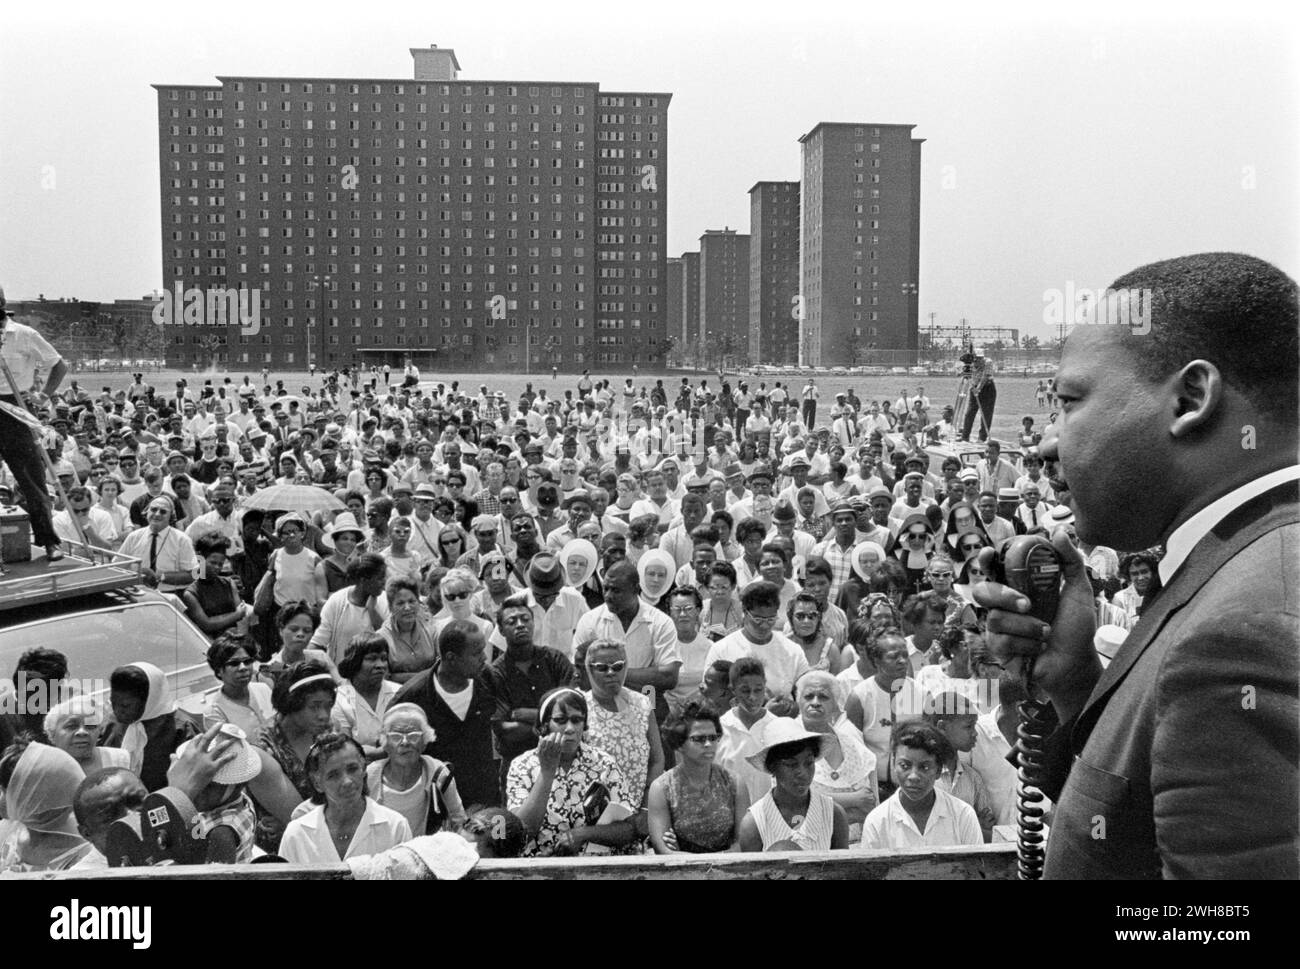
1180 759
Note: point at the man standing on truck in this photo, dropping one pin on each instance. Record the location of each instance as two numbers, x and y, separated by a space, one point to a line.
23 350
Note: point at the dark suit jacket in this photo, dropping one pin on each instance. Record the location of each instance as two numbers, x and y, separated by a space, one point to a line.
1185 756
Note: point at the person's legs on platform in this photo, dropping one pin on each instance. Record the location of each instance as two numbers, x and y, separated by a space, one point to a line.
988 397
18 448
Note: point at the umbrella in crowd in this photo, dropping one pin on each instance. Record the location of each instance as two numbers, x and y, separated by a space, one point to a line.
293 497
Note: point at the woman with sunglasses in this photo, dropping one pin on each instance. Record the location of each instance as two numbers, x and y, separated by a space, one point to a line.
623 722
417 786
452 544
698 806
457 591
241 701
570 795
804 615
346 822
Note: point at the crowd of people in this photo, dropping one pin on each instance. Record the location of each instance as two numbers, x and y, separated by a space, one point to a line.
624 619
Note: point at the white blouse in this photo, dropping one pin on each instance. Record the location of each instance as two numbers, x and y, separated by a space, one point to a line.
307 839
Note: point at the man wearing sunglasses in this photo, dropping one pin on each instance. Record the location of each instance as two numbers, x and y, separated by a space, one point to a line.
223 519
521 676
166 553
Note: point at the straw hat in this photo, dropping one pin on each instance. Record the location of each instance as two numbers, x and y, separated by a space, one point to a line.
786 730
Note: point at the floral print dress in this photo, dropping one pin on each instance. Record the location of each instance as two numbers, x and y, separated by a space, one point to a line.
564 806
624 735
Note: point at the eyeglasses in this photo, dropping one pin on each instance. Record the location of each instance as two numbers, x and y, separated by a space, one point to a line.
941 575
686 610
615 667
917 535
412 738
456 596
241 662
761 620
704 739
805 616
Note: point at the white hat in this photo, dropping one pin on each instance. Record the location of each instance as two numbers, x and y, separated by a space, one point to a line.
786 730
1107 640
247 763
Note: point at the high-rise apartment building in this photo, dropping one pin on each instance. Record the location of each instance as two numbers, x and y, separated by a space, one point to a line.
724 296
675 329
774 305
690 308
860 241
450 220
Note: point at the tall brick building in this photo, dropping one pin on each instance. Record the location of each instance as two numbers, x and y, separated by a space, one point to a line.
441 218
860 241
690 308
774 273
724 296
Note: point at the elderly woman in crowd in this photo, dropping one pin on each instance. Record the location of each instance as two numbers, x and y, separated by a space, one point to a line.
346 822
38 783
73 726
417 786
292 569
846 769
622 721
569 794
145 723
365 693
241 701
408 631
792 816
698 806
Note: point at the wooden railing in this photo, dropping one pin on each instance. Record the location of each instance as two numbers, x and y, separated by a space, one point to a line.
980 863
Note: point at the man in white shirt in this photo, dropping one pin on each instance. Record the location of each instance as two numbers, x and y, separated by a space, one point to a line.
648 635
918 814
96 524
557 607
166 554
783 662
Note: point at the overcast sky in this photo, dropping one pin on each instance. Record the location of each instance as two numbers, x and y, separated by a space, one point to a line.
1059 148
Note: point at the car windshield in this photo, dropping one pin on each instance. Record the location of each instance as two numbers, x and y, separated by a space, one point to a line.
96 643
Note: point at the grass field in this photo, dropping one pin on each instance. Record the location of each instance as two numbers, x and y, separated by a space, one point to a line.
1015 394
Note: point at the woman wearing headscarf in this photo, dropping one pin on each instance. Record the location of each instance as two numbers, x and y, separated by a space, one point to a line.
814 512
145 722
846 769
39 782
73 727
963 519
656 569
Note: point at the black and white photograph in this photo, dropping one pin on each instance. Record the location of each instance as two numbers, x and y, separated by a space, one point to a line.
605 442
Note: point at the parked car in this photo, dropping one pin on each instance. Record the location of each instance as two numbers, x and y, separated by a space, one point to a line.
100 632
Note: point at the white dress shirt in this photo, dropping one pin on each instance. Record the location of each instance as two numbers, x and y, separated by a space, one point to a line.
1188 535
650 641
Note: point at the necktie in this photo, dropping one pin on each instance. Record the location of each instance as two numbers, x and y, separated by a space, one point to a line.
153 551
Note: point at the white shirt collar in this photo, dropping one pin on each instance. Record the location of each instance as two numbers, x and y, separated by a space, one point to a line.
1189 534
